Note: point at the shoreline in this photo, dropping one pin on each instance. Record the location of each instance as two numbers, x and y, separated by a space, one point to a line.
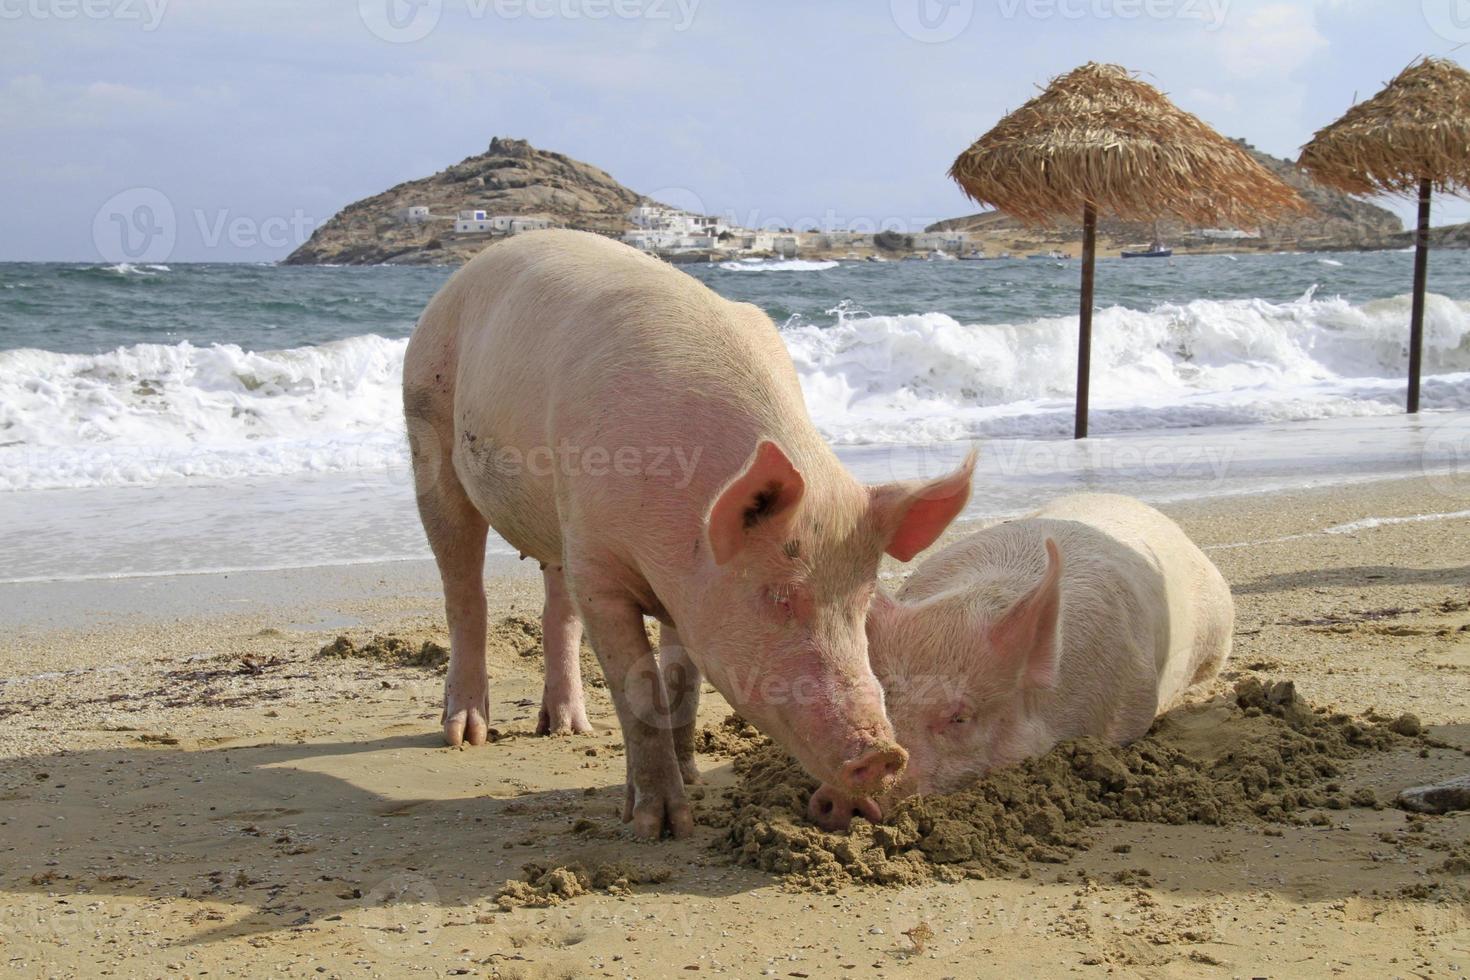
361 520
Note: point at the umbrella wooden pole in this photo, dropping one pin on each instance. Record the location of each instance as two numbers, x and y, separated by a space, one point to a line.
1421 282
1084 332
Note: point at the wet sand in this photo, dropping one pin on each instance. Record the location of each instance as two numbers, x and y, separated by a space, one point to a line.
190 788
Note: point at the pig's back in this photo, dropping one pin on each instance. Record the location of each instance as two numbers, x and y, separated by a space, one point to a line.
1193 597
578 319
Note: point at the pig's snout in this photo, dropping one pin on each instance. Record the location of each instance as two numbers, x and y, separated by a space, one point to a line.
871 772
831 809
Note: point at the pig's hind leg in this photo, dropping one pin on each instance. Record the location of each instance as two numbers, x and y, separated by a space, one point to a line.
563 709
456 533
681 680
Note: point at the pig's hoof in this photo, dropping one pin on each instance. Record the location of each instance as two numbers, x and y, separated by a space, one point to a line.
832 810
465 718
562 720
689 772
655 812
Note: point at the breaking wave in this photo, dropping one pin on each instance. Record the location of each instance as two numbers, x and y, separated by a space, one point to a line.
156 413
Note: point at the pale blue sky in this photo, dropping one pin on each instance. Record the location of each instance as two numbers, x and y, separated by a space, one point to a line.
255 119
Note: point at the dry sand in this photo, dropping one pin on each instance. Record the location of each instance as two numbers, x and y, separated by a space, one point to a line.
211 796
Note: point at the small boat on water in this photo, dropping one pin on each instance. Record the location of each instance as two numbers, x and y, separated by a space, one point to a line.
940 255
1155 250
1053 255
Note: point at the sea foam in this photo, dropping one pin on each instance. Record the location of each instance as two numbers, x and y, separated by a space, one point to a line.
166 413
779 265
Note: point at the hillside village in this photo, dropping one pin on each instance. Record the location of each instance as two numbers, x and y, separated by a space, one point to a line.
515 188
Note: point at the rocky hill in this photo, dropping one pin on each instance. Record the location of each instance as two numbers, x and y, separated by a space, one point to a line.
1445 236
512 177
1336 222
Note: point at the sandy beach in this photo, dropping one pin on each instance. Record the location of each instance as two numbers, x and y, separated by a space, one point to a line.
192 789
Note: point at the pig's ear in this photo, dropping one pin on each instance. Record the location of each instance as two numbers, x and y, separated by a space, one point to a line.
1028 637
916 514
767 490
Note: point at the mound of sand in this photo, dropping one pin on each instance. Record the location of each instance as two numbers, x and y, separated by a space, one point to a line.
507 640
393 651
732 737
1261 755
542 885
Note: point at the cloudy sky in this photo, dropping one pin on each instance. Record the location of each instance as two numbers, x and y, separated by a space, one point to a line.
253 120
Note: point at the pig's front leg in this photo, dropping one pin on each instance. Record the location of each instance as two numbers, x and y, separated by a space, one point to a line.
655 796
682 680
563 709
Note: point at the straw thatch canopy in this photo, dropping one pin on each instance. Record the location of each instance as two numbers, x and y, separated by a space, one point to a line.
1099 135
1417 128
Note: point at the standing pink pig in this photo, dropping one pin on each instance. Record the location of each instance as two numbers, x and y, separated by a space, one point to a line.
1089 617
647 441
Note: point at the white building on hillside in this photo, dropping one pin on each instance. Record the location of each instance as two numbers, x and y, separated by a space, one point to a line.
473 223
480 223
660 229
949 241
415 214
518 225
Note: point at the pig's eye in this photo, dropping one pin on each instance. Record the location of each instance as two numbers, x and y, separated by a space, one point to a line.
953 724
788 603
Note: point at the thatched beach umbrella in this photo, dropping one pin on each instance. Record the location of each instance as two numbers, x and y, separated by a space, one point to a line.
1414 136
1099 141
